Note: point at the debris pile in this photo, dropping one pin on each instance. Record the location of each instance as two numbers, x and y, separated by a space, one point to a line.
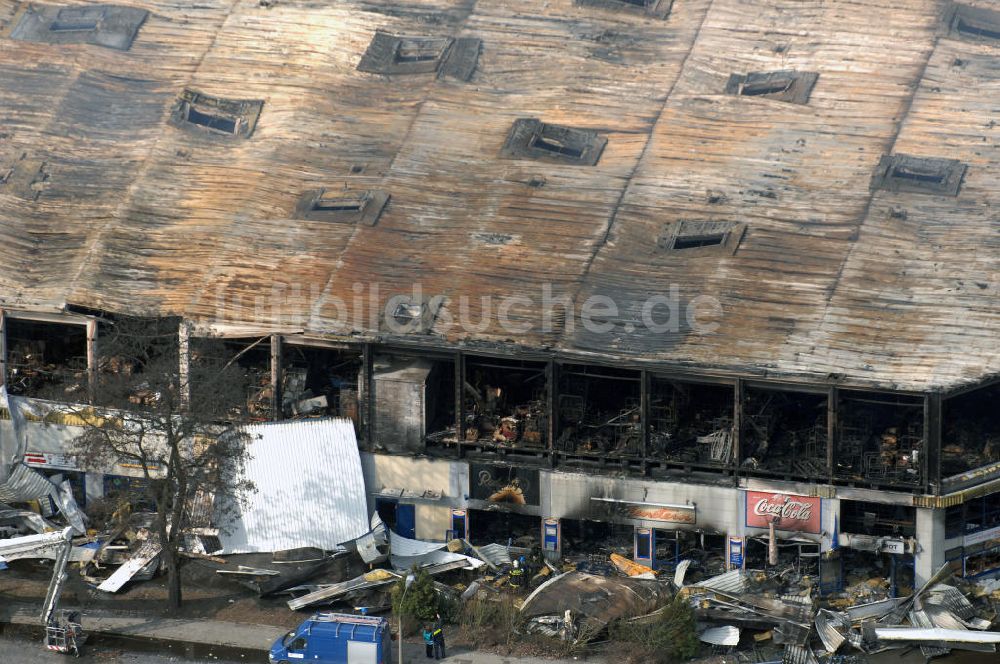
937 618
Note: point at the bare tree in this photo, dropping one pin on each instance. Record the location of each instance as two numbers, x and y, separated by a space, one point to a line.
178 425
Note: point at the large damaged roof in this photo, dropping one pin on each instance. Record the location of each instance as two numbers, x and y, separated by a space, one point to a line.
816 180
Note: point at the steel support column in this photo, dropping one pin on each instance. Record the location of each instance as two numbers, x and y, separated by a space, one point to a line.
832 429
184 362
277 377
931 464
551 375
91 360
459 402
3 347
738 401
367 398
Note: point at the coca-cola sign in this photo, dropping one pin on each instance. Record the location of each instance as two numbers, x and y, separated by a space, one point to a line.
787 511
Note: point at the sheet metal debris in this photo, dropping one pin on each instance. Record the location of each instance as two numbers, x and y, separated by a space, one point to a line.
597 599
143 557
726 635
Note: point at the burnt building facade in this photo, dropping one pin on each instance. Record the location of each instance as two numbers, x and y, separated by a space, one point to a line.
681 272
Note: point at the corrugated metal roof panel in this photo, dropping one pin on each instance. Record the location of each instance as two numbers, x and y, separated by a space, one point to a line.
310 489
733 582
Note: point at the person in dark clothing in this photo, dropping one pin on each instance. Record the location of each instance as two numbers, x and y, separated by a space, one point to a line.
438 635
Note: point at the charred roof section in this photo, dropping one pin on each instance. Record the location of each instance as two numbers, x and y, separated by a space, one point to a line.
656 8
394 54
702 236
346 207
25 178
919 175
785 85
973 23
530 138
217 116
109 26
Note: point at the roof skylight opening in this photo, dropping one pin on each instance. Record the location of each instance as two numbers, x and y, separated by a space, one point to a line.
974 23
702 236
530 138
348 207
919 175
785 85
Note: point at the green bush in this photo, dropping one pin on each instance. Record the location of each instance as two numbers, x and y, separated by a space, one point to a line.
420 601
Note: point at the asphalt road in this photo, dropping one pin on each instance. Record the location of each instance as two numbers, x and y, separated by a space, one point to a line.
18 650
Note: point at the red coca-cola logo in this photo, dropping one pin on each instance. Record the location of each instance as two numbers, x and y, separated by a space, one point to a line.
783 507
785 511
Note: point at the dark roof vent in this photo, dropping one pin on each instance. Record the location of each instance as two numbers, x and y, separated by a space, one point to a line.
530 138
407 314
973 23
347 207
707 236
392 54
919 175
657 8
25 178
234 118
102 25
785 85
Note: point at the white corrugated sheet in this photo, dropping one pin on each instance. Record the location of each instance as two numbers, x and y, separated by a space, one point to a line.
149 550
310 490
726 635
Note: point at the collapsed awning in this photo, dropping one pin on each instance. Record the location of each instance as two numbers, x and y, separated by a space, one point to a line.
310 490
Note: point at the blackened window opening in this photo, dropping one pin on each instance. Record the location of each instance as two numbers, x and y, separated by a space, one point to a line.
937 177
415 51
767 87
555 146
977 30
338 205
81 24
217 122
694 241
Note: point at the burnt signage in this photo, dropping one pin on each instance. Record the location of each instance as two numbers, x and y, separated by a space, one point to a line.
504 484
657 513
786 511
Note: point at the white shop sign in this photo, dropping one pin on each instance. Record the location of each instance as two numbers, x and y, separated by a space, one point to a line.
981 536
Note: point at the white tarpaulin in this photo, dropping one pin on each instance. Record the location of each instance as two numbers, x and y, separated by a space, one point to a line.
310 489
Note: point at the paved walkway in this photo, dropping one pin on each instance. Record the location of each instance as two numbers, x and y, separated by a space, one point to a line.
200 632
246 637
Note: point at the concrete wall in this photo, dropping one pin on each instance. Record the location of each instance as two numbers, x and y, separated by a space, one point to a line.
568 496
930 544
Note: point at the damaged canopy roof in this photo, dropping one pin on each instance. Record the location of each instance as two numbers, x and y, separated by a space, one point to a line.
309 489
121 210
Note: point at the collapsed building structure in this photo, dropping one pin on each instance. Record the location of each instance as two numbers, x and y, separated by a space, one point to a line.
689 272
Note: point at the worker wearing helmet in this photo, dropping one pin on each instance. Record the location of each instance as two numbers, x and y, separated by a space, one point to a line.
516 577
